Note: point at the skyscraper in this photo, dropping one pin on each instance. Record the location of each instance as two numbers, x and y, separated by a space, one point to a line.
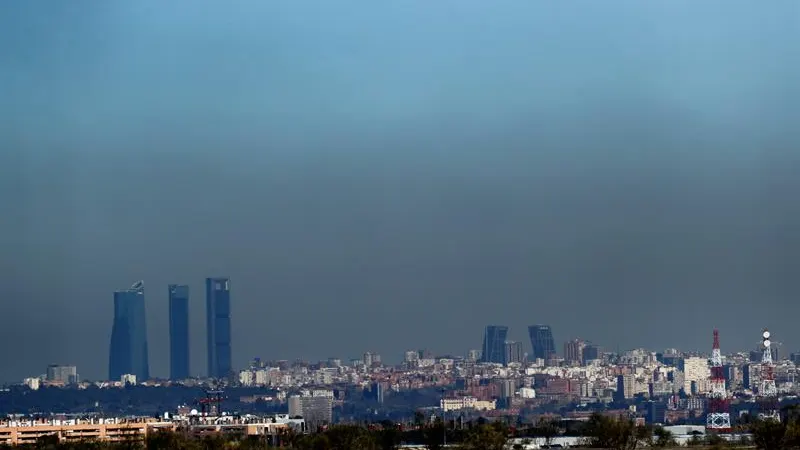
494 340
573 352
544 346
218 326
178 331
513 352
128 352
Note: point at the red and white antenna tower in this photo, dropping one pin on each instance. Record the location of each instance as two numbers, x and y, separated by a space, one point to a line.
768 391
718 418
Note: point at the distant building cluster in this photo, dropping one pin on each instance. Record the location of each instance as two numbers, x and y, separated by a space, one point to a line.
500 379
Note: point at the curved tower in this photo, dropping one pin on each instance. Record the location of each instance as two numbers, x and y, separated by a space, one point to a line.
128 349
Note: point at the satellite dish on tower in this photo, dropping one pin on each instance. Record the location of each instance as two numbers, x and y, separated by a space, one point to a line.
766 334
767 343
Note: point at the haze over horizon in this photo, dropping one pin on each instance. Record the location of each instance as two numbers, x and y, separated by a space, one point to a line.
384 177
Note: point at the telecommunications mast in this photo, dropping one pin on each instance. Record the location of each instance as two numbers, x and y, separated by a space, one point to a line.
768 392
718 418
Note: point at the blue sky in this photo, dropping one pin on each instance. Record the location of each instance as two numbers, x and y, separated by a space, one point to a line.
390 175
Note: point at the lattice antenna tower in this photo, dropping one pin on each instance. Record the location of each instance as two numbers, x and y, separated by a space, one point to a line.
768 390
718 418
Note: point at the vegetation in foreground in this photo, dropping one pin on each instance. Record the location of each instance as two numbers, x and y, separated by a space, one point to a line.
599 432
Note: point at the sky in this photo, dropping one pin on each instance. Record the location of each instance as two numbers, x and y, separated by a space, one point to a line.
382 176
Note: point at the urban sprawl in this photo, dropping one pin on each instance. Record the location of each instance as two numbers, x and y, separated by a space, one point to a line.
689 394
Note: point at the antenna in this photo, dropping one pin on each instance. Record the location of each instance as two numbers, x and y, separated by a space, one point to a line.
718 418
768 391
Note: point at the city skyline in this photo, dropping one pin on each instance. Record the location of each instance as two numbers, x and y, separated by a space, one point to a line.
495 345
492 333
367 187
130 309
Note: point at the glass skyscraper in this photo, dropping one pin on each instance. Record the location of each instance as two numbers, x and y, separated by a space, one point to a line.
218 326
178 331
494 344
128 353
544 347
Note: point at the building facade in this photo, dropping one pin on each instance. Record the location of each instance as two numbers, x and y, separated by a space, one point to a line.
128 349
542 342
696 371
218 327
514 352
62 374
573 352
315 408
591 352
178 331
494 339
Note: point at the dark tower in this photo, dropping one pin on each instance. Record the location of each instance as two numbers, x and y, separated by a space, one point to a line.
178 331
544 346
128 349
494 344
218 326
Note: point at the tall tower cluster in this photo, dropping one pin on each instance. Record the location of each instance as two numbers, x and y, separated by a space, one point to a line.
128 354
768 392
718 418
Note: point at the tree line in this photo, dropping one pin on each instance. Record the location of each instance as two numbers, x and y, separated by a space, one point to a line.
600 431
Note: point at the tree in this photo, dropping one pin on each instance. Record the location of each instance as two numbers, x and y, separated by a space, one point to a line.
768 434
663 437
791 437
434 435
716 442
695 441
615 433
486 437
389 437
546 429
419 418
351 437
316 441
47 442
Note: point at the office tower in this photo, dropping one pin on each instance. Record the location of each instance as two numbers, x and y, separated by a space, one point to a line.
626 386
178 331
62 374
591 352
544 346
656 412
367 359
411 359
494 339
513 352
218 326
128 353
573 352
696 370
316 411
